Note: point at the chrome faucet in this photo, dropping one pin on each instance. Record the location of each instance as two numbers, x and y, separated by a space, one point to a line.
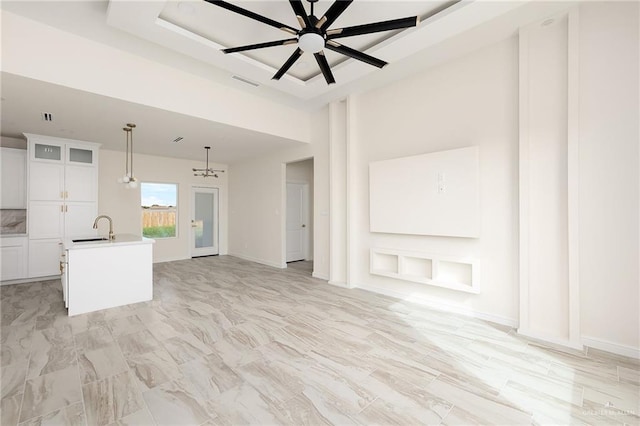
104 216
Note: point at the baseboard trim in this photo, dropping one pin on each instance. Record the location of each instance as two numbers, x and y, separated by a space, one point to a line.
171 260
319 276
443 306
338 283
615 348
538 337
260 261
29 280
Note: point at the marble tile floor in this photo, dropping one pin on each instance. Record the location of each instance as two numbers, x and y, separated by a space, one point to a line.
230 342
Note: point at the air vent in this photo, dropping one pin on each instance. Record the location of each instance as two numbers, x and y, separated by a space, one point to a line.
244 80
47 116
178 139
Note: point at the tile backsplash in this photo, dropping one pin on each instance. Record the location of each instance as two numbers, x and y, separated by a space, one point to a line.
13 221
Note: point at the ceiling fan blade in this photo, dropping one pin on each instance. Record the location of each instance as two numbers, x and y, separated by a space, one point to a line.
355 54
260 45
334 11
301 14
394 24
253 15
324 67
292 60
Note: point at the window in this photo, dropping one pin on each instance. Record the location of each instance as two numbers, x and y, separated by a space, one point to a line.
159 209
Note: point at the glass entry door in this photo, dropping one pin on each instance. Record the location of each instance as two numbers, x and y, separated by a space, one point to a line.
204 221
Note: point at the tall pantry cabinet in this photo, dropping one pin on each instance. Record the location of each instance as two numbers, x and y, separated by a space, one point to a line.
63 197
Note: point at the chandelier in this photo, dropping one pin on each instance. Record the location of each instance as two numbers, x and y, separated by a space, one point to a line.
208 172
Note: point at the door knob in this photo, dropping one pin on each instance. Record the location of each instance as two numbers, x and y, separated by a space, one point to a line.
304 226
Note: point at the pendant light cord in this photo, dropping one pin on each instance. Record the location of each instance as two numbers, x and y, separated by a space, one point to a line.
131 151
126 154
130 127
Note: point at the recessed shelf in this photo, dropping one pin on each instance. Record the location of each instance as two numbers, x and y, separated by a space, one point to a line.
459 274
418 267
455 272
386 263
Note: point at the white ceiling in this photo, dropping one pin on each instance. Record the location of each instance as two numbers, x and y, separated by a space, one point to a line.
230 29
188 35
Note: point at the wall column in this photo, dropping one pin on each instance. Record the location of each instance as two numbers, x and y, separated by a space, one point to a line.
549 176
338 193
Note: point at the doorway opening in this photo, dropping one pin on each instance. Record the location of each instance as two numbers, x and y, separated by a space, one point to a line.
299 216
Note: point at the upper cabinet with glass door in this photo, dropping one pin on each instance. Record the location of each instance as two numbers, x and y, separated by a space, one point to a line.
80 155
62 151
47 150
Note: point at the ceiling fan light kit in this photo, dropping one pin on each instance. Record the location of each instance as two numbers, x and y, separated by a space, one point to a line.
315 35
311 42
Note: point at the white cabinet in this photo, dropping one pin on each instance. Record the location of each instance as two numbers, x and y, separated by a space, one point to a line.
78 218
107 274
80 183
13 163
63 197
46 182
64 276
46 219
80 154
13 257
44 257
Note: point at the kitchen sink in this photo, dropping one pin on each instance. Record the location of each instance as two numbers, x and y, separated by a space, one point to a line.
86 240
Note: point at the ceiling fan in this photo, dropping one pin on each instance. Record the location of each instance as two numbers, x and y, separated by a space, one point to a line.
315 34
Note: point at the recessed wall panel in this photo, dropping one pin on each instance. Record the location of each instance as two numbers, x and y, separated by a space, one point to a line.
429 194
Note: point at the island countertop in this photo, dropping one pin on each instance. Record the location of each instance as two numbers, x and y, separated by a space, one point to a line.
120 240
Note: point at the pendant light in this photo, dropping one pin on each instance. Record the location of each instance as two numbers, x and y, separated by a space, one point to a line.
129 179
207 172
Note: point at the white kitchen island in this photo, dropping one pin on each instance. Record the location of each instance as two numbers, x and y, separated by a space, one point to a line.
106 273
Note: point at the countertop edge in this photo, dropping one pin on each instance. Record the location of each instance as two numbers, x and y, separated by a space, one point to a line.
125 240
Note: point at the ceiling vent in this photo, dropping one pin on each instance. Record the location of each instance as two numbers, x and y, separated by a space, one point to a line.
47 116
178 139
244 80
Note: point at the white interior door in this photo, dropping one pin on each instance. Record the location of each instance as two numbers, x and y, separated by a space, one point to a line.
204 221
297 230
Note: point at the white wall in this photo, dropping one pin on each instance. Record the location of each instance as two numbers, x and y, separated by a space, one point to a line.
122 75
16 143
123 205
302 172
469 101
474 101
609 181
257 191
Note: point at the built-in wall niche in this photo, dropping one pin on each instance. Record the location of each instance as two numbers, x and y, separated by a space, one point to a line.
387 263
461 274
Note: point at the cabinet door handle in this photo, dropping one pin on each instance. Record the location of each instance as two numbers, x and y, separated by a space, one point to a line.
66 194
61 194
61 208
66 209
